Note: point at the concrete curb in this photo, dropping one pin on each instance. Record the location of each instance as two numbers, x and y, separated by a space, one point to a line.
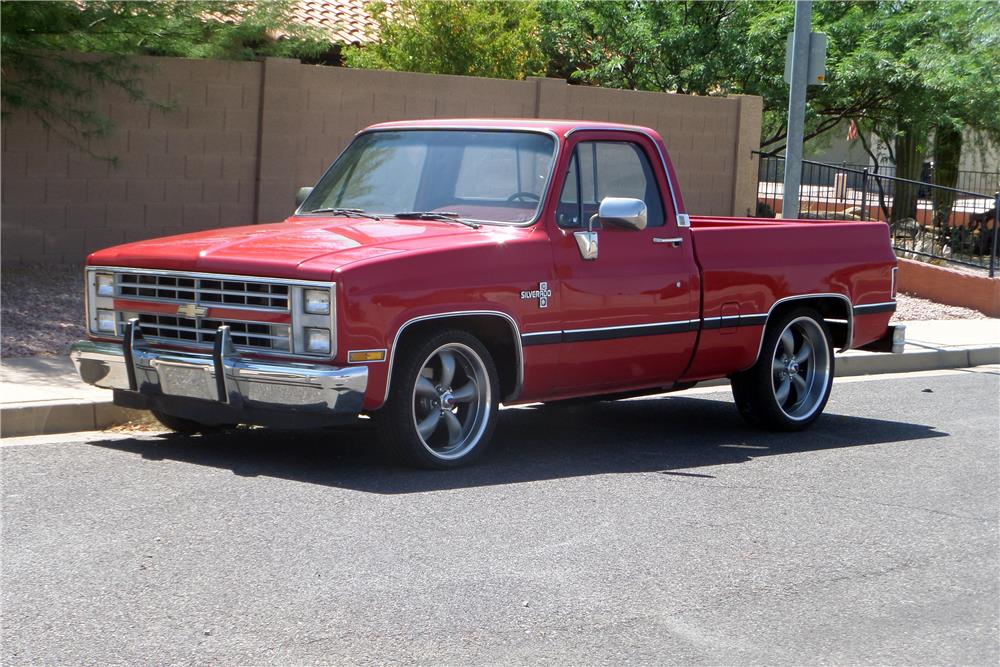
872 363
50 417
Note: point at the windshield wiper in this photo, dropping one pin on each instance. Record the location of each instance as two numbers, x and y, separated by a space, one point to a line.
444 216
348 212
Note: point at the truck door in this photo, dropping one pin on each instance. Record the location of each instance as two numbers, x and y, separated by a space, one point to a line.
629 316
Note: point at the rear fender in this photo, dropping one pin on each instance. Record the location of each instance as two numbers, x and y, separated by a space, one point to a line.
836 310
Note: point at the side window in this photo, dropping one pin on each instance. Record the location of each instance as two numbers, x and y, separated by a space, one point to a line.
602 169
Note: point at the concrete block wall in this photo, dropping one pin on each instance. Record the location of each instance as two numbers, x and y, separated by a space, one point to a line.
310 113
189 168
241 137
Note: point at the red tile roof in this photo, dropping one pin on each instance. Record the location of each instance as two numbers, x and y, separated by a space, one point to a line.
346 21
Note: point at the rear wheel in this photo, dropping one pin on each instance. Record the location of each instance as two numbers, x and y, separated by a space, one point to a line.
443 402
790 384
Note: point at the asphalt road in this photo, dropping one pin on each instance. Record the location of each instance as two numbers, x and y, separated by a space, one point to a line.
645 531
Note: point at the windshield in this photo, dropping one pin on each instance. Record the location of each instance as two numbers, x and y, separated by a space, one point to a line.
488 176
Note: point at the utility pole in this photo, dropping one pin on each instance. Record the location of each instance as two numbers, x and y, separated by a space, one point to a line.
799 57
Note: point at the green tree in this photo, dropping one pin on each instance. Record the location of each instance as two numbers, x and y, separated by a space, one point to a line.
474 38
899 68
705 48
683 47
57 54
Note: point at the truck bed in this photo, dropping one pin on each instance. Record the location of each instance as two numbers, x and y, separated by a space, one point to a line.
750 264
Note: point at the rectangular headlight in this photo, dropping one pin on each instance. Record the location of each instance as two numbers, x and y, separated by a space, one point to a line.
317 340
317 301
105 283
105 320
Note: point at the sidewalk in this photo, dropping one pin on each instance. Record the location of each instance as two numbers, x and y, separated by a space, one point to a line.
41 395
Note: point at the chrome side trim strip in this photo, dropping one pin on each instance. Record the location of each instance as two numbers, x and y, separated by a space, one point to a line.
755 320
541 338
750 320
629 331
870 308
609 333
519 382
630 326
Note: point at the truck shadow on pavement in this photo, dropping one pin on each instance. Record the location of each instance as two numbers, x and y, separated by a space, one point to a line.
675 436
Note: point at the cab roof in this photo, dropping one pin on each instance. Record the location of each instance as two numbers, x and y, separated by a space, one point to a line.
559 127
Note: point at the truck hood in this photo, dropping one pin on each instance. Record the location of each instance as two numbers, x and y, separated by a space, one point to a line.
297 248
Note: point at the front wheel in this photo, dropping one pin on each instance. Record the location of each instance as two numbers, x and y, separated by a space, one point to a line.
443 402
789 386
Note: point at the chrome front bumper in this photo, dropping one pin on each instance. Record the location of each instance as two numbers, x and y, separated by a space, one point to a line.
238 384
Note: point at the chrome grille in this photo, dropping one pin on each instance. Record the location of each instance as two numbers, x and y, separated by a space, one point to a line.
188 312
171 328
203 291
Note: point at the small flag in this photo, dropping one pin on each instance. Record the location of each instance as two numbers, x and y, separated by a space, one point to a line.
852 131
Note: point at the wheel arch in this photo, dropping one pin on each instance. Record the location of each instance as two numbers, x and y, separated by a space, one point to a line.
835 309
497 330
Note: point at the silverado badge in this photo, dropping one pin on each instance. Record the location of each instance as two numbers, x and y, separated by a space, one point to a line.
192 310
542 294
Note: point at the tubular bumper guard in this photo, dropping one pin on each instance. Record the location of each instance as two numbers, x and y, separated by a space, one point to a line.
222 376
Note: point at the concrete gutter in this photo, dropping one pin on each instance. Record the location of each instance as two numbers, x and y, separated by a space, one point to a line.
43 395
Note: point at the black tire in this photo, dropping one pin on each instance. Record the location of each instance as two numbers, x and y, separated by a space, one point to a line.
760 393
406 423
187 426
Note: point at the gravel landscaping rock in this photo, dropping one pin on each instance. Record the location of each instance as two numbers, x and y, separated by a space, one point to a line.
43 310
910 308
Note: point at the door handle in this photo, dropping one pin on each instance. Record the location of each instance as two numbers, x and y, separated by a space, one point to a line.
675 241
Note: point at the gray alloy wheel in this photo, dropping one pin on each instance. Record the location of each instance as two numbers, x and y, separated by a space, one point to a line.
452 401
801 368
443 401
789 385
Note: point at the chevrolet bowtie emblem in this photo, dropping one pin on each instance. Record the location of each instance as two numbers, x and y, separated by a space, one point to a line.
192 310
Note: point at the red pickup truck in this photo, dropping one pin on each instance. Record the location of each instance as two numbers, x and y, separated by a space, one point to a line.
440 268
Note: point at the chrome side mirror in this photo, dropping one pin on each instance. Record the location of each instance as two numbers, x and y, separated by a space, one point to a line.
587 243
301 195
623 212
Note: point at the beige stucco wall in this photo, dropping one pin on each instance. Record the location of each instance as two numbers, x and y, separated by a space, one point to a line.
243 136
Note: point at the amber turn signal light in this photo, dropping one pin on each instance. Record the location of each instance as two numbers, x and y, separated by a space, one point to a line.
366 355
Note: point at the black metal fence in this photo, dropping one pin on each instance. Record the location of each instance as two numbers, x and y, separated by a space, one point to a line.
925 220
981 182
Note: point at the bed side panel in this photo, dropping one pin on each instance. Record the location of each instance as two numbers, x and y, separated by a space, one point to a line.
750 267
